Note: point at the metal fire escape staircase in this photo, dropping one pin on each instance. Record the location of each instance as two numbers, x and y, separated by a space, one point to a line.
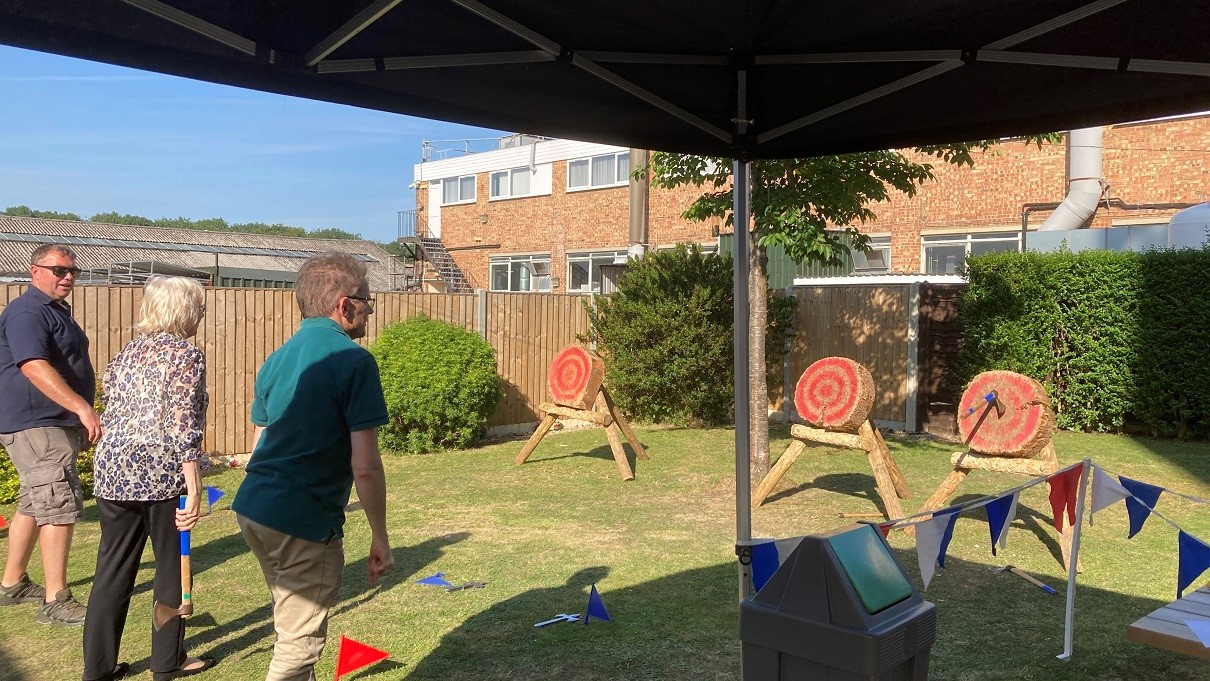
433 251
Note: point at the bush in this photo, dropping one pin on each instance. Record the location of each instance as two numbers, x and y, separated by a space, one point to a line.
10 485
666 336
1116 337
440 384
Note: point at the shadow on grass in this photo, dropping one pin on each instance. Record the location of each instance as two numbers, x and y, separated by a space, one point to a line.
602 452
684 626
409 561
860 485
255 628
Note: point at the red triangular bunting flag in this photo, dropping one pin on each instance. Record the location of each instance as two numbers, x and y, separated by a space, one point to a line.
1063 488
354 656
885 529
2 523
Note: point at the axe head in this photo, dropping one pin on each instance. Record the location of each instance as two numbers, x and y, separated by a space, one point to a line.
162 614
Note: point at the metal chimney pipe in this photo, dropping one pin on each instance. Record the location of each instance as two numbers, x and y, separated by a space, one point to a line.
1084 148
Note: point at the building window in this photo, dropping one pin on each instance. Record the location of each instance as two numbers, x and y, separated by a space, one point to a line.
458 190
947 253
509 183
521 273
878 260
608 170
584 269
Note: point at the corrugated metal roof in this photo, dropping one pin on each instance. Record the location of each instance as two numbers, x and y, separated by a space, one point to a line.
94 244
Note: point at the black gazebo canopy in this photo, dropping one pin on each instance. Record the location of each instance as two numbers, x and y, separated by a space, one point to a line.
739 78
809 77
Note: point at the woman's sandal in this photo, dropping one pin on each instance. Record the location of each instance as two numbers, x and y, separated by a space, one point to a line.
207 663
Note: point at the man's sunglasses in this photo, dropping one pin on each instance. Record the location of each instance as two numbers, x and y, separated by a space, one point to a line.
61 271
368 301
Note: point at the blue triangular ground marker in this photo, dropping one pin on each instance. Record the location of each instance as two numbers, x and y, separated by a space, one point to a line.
596 607
434 580
213 494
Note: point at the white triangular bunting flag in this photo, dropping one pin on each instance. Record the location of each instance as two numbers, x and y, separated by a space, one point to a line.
1105 491
929 535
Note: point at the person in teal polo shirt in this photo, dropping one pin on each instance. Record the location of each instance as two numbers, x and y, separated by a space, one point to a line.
317 407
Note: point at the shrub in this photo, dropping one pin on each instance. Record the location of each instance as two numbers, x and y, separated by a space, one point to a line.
440 384
10 485
1116 337
666 336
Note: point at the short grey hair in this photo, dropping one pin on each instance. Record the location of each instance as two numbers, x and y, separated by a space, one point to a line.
324 279
46 249
172 304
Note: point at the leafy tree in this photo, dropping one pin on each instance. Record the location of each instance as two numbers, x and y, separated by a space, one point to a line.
333 233
24 211
810 207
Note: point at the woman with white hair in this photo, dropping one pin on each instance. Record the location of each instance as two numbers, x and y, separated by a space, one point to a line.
155 409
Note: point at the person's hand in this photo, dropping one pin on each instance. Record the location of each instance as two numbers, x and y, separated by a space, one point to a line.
380 559
91 423
187 517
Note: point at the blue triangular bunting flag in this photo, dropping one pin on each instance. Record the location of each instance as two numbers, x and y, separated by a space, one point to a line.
596 607
1139 512
764 563
1000 514
948 534
213 494
1193 559
434 580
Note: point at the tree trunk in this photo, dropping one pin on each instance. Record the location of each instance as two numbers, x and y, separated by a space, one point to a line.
758 395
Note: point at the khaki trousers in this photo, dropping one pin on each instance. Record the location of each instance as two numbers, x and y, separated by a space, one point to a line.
304 578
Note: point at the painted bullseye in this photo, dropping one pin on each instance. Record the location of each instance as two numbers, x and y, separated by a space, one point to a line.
834 392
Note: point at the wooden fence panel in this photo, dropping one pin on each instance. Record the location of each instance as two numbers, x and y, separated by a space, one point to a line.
866 323
527 331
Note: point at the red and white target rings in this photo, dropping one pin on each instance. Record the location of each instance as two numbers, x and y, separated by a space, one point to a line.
836 393
1017 421
575 377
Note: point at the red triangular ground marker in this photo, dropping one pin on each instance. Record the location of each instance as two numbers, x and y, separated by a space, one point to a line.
354 656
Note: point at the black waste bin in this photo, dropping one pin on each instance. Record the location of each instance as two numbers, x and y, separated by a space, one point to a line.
839 608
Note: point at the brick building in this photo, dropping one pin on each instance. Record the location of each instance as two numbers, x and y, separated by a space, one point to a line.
545 215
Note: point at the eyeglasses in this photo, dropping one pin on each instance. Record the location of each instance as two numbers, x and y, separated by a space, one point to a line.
61 271
368 301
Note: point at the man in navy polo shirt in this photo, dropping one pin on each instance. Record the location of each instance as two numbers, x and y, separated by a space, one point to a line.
317 407
47 387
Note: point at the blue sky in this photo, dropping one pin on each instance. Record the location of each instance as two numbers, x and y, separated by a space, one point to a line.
87 138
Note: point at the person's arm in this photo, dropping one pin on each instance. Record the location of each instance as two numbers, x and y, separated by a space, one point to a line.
370 480
187 517
44 377
184 424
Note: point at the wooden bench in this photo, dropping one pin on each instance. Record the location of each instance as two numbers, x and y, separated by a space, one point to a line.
1165 628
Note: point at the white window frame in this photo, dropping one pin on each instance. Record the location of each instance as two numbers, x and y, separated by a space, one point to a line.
533 263
861 261
965 241
508 181
461 199
621 171
597 258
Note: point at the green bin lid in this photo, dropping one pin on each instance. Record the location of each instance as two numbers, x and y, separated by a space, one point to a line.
870 568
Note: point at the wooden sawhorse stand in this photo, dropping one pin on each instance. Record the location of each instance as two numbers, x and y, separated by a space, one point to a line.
889 480
604 413
1046 463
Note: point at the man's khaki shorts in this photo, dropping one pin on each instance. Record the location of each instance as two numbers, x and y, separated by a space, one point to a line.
45 459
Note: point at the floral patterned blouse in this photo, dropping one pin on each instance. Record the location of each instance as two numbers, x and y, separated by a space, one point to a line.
155 408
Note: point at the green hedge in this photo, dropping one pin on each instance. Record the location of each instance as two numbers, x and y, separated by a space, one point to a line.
1118 338
666 336
440 383
10 486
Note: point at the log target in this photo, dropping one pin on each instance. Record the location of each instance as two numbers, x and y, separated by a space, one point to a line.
575 377
835 393
1018 422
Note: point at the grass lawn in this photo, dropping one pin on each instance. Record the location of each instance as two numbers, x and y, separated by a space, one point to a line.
660 550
